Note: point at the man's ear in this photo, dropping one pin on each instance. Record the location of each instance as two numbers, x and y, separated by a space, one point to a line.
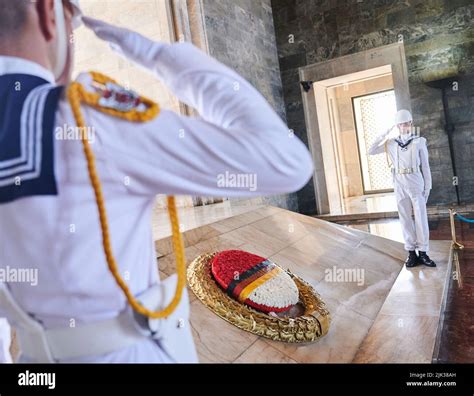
46 18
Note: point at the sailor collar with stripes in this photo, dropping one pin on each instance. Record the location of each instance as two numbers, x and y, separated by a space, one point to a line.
29 100
404 143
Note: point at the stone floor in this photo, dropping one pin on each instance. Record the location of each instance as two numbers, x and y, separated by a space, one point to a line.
389 303
194 217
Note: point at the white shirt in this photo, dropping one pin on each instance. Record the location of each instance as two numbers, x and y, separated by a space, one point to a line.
238 133
400 158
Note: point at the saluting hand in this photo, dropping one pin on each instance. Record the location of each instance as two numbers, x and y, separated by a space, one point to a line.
390 132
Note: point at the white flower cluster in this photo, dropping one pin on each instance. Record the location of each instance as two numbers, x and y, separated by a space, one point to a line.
278 292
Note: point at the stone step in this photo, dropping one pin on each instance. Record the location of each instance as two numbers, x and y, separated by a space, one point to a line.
409 323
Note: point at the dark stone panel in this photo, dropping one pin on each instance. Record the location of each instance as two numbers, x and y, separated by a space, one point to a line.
306 199
289 202
445 195
464 135
241 34
293 61
427 9
401 18
450 5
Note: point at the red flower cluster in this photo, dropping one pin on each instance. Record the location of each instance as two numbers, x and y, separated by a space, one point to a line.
235 269
229 264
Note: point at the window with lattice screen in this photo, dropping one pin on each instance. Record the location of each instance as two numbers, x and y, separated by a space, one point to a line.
373 115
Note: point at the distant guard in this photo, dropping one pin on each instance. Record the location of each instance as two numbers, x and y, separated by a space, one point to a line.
407 156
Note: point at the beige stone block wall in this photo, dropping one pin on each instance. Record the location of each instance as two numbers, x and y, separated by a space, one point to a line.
148 17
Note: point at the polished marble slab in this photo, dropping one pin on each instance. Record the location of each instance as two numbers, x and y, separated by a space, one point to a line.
194 217
373 206
317 250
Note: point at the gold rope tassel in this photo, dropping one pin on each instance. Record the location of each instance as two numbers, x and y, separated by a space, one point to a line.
77 94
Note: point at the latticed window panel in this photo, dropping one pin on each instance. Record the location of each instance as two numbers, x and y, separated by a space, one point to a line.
374 115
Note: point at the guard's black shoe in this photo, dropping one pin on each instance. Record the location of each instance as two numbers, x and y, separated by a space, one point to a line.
412 259
425 260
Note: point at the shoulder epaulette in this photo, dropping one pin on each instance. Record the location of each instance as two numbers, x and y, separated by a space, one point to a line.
111 98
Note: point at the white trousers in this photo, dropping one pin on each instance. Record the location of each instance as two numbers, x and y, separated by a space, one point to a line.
416 231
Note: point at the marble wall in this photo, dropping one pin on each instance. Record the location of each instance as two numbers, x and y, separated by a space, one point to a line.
438 36
241 34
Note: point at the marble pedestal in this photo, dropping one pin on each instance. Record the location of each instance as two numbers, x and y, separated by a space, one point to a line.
381 311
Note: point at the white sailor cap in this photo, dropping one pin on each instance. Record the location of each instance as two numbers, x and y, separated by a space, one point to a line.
403 116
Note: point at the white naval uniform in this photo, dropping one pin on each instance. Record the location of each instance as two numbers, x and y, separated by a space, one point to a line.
409 187
237 132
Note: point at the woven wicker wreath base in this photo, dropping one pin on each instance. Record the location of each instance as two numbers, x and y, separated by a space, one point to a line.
309 327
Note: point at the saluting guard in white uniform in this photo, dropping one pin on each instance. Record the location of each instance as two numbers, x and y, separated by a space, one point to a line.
48 210
407 155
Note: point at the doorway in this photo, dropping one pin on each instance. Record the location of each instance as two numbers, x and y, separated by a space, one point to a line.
359 108
376 80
